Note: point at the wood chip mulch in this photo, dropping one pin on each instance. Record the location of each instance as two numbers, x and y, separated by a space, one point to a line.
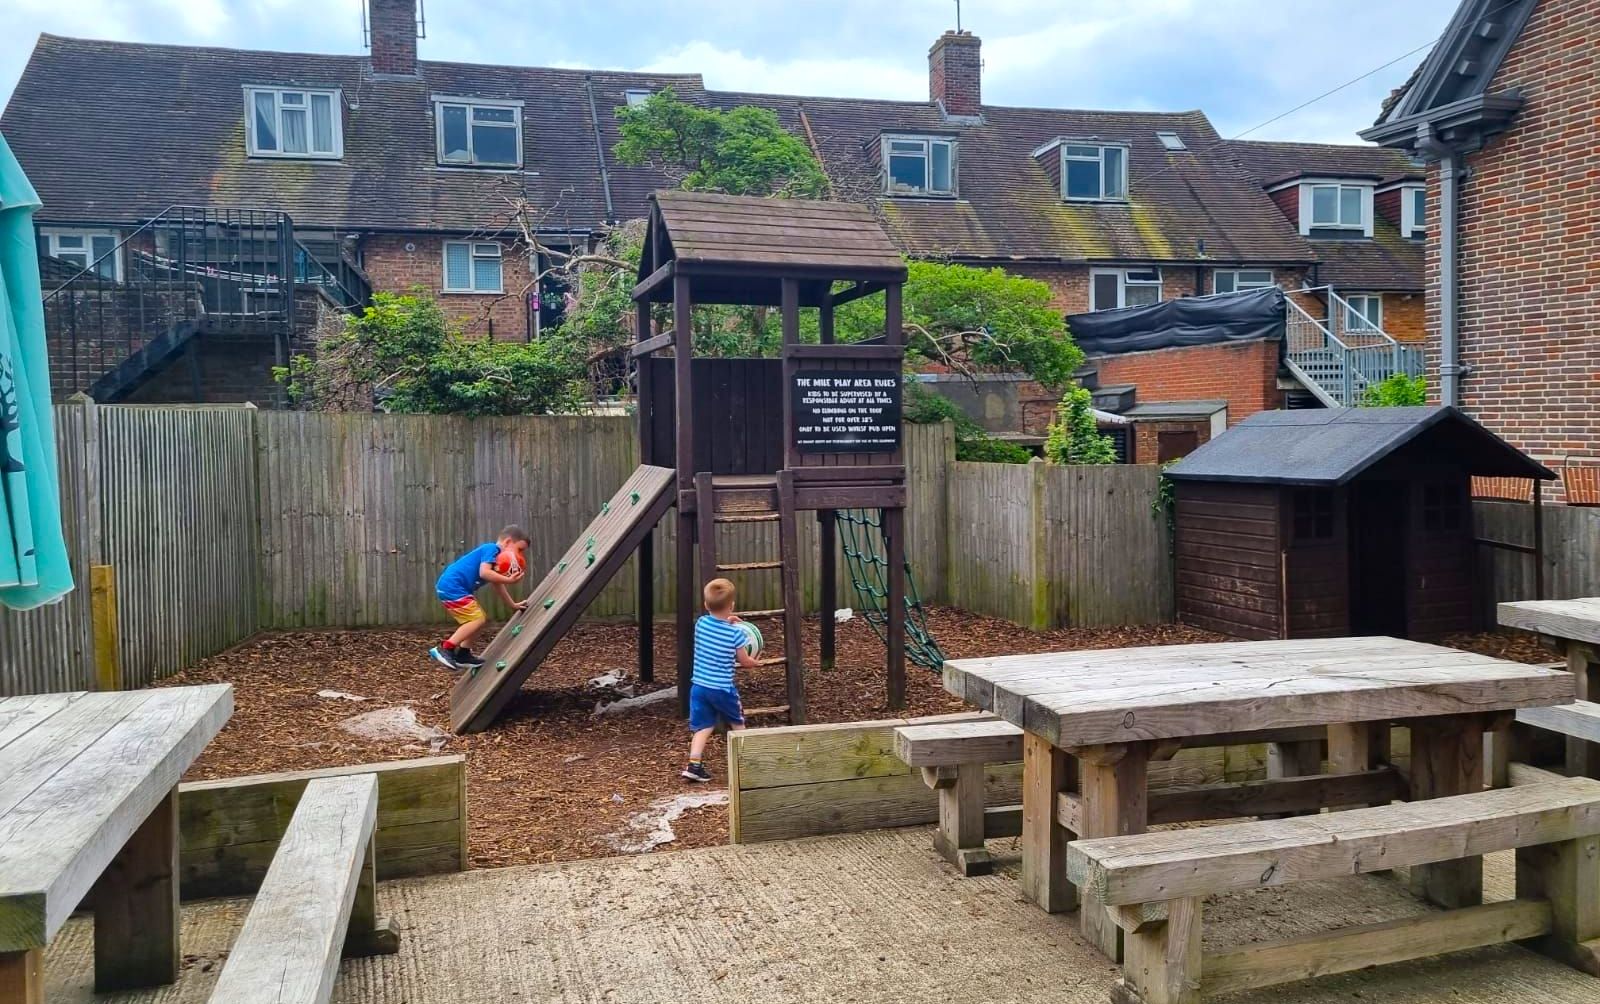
550 781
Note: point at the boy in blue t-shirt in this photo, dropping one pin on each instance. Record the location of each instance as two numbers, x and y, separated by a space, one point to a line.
719 645
462 578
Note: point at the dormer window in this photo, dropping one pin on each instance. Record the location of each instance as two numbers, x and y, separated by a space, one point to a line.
293 122
1414 211
1094 172
919 165
474 132
1331 208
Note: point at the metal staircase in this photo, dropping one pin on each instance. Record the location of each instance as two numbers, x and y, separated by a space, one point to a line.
1336 360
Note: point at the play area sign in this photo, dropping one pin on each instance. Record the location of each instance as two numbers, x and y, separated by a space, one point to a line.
847 411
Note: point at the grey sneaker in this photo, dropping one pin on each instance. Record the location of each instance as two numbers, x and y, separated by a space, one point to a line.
444 659
696 772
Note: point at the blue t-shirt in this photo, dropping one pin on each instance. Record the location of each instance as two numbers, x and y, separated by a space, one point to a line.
715 641
460 578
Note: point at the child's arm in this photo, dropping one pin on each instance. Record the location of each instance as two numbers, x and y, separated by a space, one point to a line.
505 594
744 660
488 573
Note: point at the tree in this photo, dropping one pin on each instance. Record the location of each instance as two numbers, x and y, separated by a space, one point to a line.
1074 437
923 406
1397 391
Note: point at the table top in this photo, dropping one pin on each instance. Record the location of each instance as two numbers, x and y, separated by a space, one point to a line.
1578 620
1088 698
79 773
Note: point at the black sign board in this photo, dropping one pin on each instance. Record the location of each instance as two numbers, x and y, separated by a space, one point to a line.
847 411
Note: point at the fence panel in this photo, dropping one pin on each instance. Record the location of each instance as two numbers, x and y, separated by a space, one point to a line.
1571 553
991 536
1106 554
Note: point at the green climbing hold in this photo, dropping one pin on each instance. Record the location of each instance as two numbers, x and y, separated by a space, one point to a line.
516 629
561 567
588 545
633 499
586 564
605 507
473 671
500 665
549 602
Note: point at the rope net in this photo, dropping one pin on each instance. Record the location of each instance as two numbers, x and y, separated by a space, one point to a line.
861 537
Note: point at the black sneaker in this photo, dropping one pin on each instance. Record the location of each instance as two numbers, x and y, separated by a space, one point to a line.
444 658
465 657
696 772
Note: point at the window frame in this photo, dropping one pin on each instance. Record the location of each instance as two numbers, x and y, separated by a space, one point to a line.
1171 141
1123 282
928 191
1369 323
1313 515
473 257
1101 147
642 94
252 145
50 236
1308 187
443 101
1410 226
1271 282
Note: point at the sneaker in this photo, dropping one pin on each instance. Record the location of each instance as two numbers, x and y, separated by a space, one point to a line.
444 659
465 657
696 772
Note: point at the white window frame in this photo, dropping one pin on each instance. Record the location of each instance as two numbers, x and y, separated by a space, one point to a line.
1368 315
1243 287
1410 226
633 97
1100 157
928 143
52 237
476 250
336 101
1308 189
1125 278
440 102
1170 140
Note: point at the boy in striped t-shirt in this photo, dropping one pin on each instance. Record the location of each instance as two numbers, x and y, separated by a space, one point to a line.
719 645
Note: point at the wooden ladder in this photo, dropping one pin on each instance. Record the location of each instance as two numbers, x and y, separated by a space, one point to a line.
770 505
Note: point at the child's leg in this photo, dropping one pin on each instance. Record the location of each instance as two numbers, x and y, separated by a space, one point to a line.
469 618
466 632
697 743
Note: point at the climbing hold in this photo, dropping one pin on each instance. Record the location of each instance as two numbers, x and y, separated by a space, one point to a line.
516 629
586 564
549 602
605 507
473 671
588 545
633 499
500 665
561 567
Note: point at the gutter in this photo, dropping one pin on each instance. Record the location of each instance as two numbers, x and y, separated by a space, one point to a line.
599 150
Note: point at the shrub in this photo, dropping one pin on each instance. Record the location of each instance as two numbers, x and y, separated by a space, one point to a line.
1074 437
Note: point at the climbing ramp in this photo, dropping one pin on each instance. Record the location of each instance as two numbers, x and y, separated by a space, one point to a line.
561 598
861 539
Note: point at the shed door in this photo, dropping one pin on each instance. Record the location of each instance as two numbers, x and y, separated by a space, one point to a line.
1379 517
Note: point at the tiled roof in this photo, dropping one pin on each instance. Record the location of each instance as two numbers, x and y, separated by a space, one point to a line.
1386 262
1272 162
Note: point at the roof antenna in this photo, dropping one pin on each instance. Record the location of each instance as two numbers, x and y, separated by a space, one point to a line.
958 17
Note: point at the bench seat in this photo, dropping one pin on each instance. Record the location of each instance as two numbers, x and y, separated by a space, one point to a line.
1153 885
316 904
952 756
1578 720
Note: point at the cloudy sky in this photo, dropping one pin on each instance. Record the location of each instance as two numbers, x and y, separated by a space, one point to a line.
1242 61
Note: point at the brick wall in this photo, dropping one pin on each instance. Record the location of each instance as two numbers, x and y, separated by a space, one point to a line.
1147 437
1404 317
393 25
1530 248
399 263
1245 374
955 70
1288 200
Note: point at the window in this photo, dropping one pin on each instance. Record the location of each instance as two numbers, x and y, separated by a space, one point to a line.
1171 140
1442 508
1110 288
1313 514
919 165
636 96
472 267
83 248
1338 207
479 133
293 123
1241 280
1094 172
1363 312
1414 211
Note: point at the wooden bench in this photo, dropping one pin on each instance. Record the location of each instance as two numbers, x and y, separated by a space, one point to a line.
317 903
952 757
1154 884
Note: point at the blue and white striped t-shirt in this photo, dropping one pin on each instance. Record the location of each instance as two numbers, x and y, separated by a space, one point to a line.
715 641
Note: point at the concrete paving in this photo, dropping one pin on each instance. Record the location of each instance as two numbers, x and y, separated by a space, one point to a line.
864 918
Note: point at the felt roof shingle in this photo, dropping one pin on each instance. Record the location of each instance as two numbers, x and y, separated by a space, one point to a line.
737 231
1333 446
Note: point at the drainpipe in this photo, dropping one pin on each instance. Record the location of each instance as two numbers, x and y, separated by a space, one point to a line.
1450 173
599 150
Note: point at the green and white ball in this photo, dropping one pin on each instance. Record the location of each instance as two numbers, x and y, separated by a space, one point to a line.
757 643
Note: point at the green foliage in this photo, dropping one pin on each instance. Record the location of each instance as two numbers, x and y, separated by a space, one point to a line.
923 406
401 355
1398 391
1074 438
745 151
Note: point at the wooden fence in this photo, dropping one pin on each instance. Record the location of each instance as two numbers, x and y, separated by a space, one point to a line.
1571 553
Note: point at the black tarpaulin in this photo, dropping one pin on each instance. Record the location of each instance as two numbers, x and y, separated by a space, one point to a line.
1194 320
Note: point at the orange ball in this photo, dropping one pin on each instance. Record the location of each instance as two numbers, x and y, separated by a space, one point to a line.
508 563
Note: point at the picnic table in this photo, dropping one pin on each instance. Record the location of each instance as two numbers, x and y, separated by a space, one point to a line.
1093 721
88 806
1572 627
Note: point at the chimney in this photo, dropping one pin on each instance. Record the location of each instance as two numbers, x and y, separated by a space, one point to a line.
955 65
392 25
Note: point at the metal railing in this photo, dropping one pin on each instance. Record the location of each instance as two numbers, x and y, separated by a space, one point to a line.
1338 360
234 270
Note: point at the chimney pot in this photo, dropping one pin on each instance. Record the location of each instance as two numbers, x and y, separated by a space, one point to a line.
393 28
955 66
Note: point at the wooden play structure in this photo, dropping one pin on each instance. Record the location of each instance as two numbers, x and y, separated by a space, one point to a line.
741 441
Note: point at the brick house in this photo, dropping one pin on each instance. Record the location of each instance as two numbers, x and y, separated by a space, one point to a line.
403 172
1506 111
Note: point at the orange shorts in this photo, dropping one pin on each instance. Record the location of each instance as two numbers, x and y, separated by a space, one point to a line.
464 610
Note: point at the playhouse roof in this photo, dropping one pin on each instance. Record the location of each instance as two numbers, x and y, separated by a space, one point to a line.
1333 446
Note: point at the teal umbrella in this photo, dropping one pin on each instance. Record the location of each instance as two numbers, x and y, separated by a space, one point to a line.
34 569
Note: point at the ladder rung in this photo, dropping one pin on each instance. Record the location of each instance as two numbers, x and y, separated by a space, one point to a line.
776 660
752 614
749 566
765 517
778 709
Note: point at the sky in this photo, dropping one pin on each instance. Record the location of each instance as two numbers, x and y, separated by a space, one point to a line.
1241 61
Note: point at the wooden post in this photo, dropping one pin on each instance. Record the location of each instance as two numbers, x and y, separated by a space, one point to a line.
1351 749
1583 662
688 601
1566 875
1296 759
22 977
1039 551
960 835
367 934
645 567
1163 965
103 618
789 320
789 547
828 584
1112 783
136 907
894 538
1046 772
705 500
1447 759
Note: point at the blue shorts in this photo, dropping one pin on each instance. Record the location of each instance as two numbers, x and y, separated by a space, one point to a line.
708 706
